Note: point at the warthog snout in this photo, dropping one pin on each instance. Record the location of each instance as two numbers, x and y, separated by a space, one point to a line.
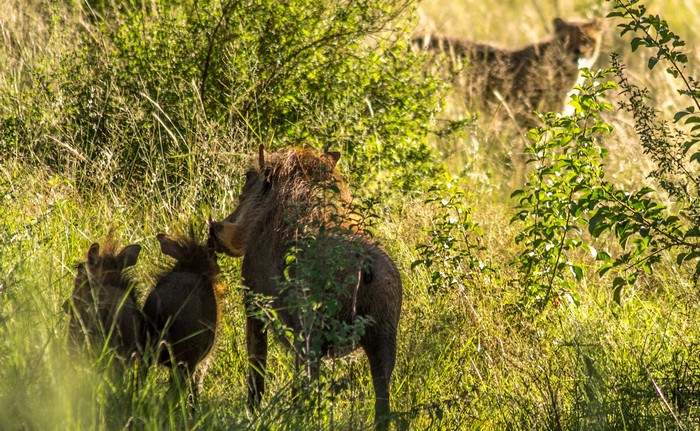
228 238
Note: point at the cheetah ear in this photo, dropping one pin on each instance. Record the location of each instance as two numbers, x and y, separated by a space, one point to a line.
559 24
127 257
334 155
93 256
261 157
169 246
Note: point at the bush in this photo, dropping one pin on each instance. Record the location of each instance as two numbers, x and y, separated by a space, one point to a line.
568 194
159 79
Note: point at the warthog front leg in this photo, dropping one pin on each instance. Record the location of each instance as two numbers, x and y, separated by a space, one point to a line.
256 343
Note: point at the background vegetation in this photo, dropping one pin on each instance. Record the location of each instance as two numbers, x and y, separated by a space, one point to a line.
571 305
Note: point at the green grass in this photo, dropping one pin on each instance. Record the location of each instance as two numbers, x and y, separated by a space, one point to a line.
467 357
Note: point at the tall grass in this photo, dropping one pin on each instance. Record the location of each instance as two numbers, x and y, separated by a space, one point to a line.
467 357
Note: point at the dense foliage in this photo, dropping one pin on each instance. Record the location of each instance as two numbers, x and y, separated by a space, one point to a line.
567 300
568 190
333 75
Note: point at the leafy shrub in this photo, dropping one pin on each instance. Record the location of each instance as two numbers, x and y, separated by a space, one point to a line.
567 191
640 218
159 78
562 189
453 251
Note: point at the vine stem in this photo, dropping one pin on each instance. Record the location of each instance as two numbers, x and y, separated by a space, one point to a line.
560 251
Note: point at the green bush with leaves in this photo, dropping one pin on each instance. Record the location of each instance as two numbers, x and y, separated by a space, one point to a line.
562 189
453 250
568 194
158 78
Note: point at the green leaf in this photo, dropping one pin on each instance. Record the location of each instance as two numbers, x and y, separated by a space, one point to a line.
635 43
605 268
597 224
693 232
603 256
679 115
680 258
577 270
617 294
416 263
688 256
652 62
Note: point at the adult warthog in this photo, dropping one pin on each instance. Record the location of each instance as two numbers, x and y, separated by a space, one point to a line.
297 193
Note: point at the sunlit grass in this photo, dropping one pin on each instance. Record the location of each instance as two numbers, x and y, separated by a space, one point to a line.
467 359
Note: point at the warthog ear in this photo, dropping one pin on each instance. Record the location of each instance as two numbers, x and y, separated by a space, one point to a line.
261 157
559 24
93 256
169 246
127 257
334 155
229 237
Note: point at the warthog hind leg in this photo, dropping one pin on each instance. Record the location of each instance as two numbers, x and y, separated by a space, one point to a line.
381 352
256 343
